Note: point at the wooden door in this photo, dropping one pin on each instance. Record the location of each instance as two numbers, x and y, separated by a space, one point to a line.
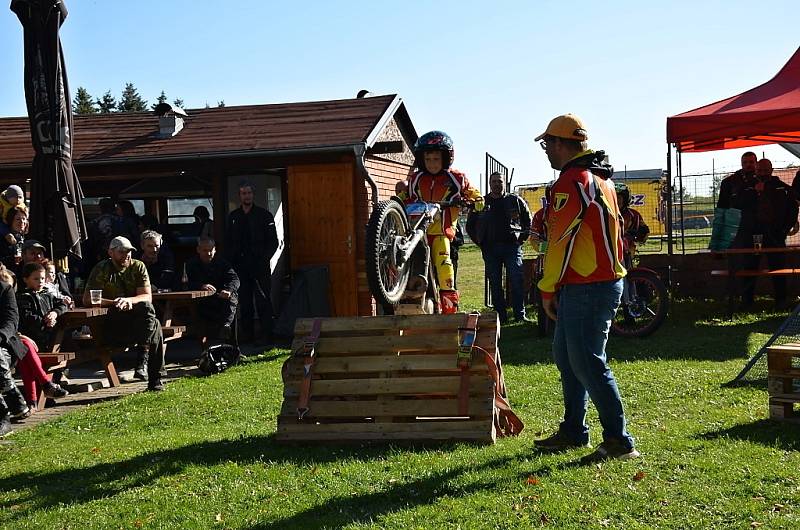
321 228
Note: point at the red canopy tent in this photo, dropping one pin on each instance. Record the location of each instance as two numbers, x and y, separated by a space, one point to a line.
766 114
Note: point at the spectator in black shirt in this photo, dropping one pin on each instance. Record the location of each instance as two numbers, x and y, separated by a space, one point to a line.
251 240
209 271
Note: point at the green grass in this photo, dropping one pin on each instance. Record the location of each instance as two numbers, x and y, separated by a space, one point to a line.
202 453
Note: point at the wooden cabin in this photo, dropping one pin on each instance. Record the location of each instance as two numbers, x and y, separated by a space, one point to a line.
318 167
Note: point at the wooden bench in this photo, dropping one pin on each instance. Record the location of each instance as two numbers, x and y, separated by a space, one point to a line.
761 272
172 332
53 362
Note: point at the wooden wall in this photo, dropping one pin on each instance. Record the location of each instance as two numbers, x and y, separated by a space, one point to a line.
386 173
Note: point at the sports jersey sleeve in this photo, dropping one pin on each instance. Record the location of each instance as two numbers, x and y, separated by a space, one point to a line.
564 219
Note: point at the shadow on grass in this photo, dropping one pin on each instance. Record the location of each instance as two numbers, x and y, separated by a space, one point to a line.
46 490
344 510
769 433
694 330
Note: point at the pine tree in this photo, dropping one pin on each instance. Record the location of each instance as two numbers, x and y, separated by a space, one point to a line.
82 103
107 104
130 100
161 99
221 103
178 103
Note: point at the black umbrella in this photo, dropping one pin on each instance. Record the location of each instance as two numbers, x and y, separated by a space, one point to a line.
56 211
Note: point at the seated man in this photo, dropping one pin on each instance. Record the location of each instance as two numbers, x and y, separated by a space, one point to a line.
131 318
211 272
158 260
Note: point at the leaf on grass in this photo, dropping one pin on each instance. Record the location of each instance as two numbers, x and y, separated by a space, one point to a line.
95 450
543 519
138 523
533 480
639 476
218 518
756 524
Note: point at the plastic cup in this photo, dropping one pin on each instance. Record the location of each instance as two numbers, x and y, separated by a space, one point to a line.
96 296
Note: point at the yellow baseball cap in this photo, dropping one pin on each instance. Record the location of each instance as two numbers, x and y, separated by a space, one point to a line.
565 126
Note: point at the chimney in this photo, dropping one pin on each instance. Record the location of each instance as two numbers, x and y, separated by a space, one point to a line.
170 119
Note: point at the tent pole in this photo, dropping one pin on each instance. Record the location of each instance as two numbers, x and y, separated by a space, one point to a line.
669 201
679 164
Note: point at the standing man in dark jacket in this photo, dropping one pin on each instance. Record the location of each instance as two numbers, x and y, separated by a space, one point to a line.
508 225
774 213
209 271
251 242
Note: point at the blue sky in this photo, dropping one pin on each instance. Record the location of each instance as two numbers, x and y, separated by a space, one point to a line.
490 74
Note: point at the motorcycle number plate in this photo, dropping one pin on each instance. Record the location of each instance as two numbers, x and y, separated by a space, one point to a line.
416 208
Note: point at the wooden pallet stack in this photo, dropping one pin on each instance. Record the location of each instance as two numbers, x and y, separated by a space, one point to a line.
783 365
390 378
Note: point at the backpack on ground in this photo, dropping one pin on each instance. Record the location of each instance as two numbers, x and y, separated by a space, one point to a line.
218 358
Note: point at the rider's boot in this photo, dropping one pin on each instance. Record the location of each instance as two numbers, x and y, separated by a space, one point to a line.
449 301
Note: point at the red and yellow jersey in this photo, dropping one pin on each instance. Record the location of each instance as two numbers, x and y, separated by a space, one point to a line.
583 228
446 186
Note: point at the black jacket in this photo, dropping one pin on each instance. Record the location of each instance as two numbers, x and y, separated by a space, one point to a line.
218 273
33 306
250 240
506 219
9 321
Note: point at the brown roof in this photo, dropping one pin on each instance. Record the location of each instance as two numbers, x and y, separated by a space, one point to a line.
225 131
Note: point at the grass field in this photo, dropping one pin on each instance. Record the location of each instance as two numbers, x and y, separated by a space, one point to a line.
202 453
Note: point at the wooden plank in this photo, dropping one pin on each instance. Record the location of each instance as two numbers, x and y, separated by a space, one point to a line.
763 272
486 339
447 385
383 323
376 363
48 358
398 407
783 410
793 373
476 430
785 398
779 385
383 344
779 360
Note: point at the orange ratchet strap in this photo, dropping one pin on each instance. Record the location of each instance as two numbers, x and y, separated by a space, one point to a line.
309 353
466 342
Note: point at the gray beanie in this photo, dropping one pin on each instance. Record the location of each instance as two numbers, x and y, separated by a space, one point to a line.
14 191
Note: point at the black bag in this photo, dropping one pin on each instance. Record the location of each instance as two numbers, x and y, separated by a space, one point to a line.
218 358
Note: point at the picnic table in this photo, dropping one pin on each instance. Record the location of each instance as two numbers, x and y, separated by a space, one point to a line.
736 271
75 319
171 301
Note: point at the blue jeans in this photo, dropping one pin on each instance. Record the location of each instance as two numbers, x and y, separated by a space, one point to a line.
495 257
579 348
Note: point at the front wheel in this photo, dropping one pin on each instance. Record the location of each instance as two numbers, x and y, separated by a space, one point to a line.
387 227
644 305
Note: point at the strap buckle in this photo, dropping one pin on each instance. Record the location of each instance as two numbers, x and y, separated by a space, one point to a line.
466 340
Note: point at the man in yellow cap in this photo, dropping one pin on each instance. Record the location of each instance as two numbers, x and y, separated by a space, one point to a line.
581 288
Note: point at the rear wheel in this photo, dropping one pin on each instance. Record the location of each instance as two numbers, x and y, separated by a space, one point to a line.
386 228
646 308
